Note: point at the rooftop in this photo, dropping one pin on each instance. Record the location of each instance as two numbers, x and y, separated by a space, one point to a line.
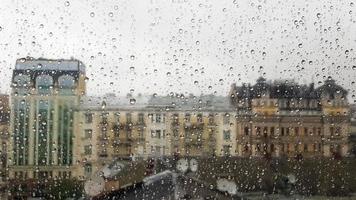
42 64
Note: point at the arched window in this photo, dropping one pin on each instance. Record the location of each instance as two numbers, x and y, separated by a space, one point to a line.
66 85
22 84
44 84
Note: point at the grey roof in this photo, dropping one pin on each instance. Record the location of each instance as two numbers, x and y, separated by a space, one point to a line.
195 103
110 102
48 64
164 103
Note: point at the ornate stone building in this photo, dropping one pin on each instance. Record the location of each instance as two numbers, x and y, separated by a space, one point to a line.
288 119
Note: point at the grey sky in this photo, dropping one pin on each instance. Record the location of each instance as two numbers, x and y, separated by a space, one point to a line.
185 46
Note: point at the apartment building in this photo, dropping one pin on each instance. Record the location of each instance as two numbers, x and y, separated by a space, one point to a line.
287 119
4 133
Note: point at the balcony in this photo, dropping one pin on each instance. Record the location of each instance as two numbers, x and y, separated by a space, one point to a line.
122 141
175 124
195 125
211 125
139 124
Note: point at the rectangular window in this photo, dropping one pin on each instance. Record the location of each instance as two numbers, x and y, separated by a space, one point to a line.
272 131
306 131
141 118
226 119
87 150
88 133
227 135
158 118
246 130
258 131
117 117
211 119
226 150
282 131
187 117
296 131
199 118
88 118
128 118
158 134
331 131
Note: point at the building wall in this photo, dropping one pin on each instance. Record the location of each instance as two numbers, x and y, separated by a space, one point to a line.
41 126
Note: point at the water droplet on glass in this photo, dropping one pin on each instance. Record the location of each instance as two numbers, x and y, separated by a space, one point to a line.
67 3
132 57
132 101
92 14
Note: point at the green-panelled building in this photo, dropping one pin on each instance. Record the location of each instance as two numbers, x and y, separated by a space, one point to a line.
44 96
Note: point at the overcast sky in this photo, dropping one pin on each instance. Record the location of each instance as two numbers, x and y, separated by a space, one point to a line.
185 46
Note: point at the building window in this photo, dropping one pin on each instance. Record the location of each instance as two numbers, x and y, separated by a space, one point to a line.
141 133
246 130
337 131
272 131
211 119
265 132
199 118
88 133
296 131
226 150
66 85
87 150
306 131
282 131
258 131
128 118
227 135
88 118
331 131
141 118
87 170
187 117
117 117
226 118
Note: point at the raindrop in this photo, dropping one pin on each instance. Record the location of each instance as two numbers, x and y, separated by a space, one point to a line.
354 67
132 101
111 14
39 66
168 73
92 14
318 15
67 3
132 57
